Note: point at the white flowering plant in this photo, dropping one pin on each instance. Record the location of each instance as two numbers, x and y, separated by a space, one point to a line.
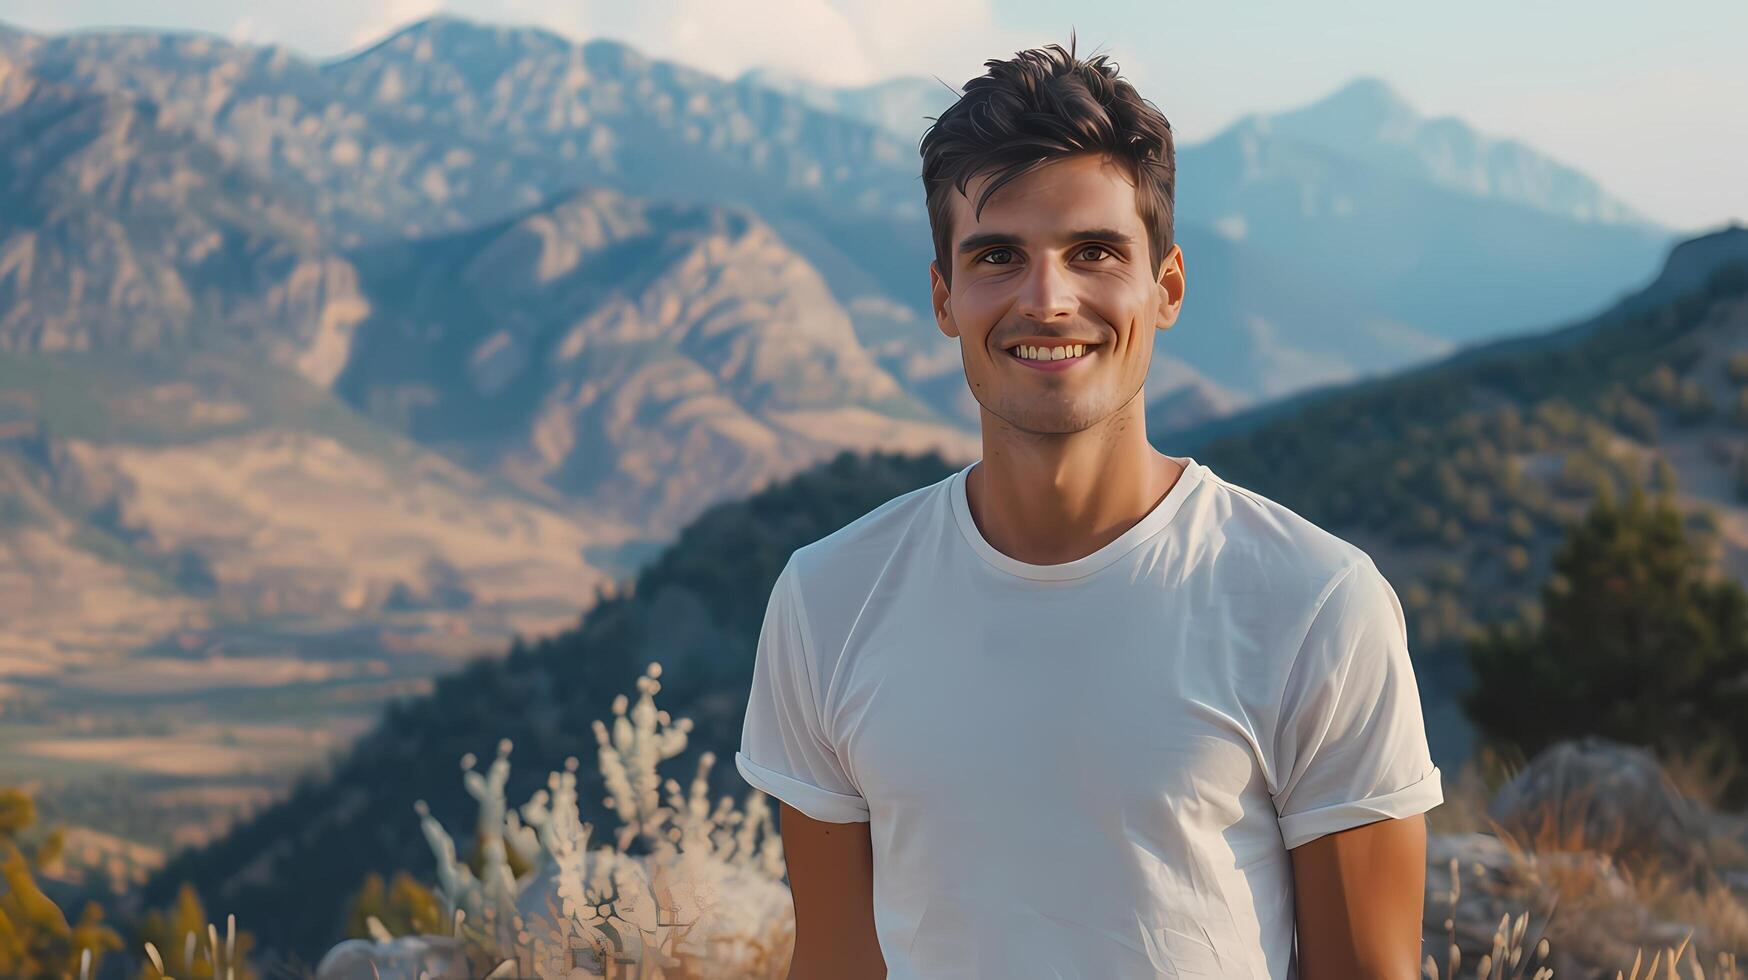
705 900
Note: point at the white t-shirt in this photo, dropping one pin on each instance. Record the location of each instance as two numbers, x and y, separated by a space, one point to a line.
1096 768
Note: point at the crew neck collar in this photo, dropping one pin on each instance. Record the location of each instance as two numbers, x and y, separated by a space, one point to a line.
1152 523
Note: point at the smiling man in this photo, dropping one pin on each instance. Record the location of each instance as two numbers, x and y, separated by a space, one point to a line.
1084 709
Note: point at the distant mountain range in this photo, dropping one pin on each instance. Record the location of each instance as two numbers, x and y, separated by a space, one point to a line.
1351 216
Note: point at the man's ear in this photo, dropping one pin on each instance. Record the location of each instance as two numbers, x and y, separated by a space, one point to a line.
943 308
1170 287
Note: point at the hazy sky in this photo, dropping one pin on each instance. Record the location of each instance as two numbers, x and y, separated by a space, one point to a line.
1651 102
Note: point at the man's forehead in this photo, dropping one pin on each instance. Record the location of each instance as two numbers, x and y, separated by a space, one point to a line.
1085 193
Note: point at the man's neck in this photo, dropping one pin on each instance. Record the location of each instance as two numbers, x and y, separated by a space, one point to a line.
1051 499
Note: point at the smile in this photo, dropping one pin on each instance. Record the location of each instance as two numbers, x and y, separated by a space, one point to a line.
1041 359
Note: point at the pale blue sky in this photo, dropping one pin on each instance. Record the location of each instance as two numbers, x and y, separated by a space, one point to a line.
1653 102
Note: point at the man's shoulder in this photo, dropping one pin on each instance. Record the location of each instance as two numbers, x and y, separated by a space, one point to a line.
1273 544
833 576
871 538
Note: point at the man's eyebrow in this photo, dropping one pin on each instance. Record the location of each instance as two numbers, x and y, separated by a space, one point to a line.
971 243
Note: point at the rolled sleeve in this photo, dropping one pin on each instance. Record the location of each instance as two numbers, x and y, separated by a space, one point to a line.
1350 746
785 751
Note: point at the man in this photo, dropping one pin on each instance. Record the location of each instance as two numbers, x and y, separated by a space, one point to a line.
1083 709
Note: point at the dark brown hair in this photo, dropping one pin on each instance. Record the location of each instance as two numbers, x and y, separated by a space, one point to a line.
1042 105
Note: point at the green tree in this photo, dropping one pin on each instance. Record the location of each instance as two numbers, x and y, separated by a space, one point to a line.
1635 642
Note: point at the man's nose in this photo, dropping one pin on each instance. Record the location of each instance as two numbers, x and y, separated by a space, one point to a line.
1046 293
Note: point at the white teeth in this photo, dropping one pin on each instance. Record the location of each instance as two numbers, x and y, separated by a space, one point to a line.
1031 353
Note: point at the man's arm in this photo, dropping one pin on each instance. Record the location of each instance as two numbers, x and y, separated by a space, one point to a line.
831 880
1359 898
787 752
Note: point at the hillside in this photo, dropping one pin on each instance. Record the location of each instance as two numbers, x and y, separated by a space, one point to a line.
212 571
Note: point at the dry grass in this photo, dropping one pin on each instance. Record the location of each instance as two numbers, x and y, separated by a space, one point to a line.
1701 774
1593 900
1511 955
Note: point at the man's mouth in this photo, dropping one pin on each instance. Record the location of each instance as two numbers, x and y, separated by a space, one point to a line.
1053 358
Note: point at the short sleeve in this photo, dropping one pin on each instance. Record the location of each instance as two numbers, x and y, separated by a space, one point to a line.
1350 742
784 750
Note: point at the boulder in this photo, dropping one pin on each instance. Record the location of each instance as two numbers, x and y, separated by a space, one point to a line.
1595 794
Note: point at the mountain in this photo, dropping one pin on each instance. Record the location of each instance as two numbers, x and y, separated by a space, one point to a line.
167 315
185 234
1423 224
446 124
646 358
153 292
1369 121
122 233
1458 476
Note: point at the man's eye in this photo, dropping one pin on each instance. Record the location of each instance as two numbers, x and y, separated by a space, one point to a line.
1005 251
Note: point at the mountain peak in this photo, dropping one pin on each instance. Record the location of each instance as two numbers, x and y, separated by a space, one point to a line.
439 24
461 39
1371 91
1365 108
1690 263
